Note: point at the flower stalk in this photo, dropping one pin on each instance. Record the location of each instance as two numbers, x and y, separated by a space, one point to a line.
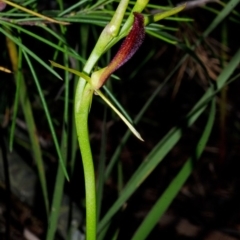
87 86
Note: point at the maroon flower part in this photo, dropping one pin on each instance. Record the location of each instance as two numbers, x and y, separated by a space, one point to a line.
128 48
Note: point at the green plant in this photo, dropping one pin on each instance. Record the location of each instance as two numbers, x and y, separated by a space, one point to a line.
116 27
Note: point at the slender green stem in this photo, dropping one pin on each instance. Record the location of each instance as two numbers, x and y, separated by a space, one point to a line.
83 99
82 105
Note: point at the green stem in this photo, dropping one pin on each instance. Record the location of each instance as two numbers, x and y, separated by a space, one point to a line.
83 101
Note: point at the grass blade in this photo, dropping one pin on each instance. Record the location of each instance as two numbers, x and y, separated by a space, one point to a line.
177 183
33 13
29 52
59 182
47 114
27 110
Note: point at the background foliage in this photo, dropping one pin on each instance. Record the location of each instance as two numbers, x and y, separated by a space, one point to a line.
180 89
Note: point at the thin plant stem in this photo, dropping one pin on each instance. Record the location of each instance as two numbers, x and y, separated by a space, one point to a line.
81 118
83 99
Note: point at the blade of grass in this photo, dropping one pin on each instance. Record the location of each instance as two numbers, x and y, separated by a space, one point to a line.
225 12
44 40
179 19
25 3
33 13
176 184
101 167
17 76
161 37
130 126
164 15
101 235
98 4
40 92
27 110
71 8
156 27
142 64
59 182
234 11
29 52
118 104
